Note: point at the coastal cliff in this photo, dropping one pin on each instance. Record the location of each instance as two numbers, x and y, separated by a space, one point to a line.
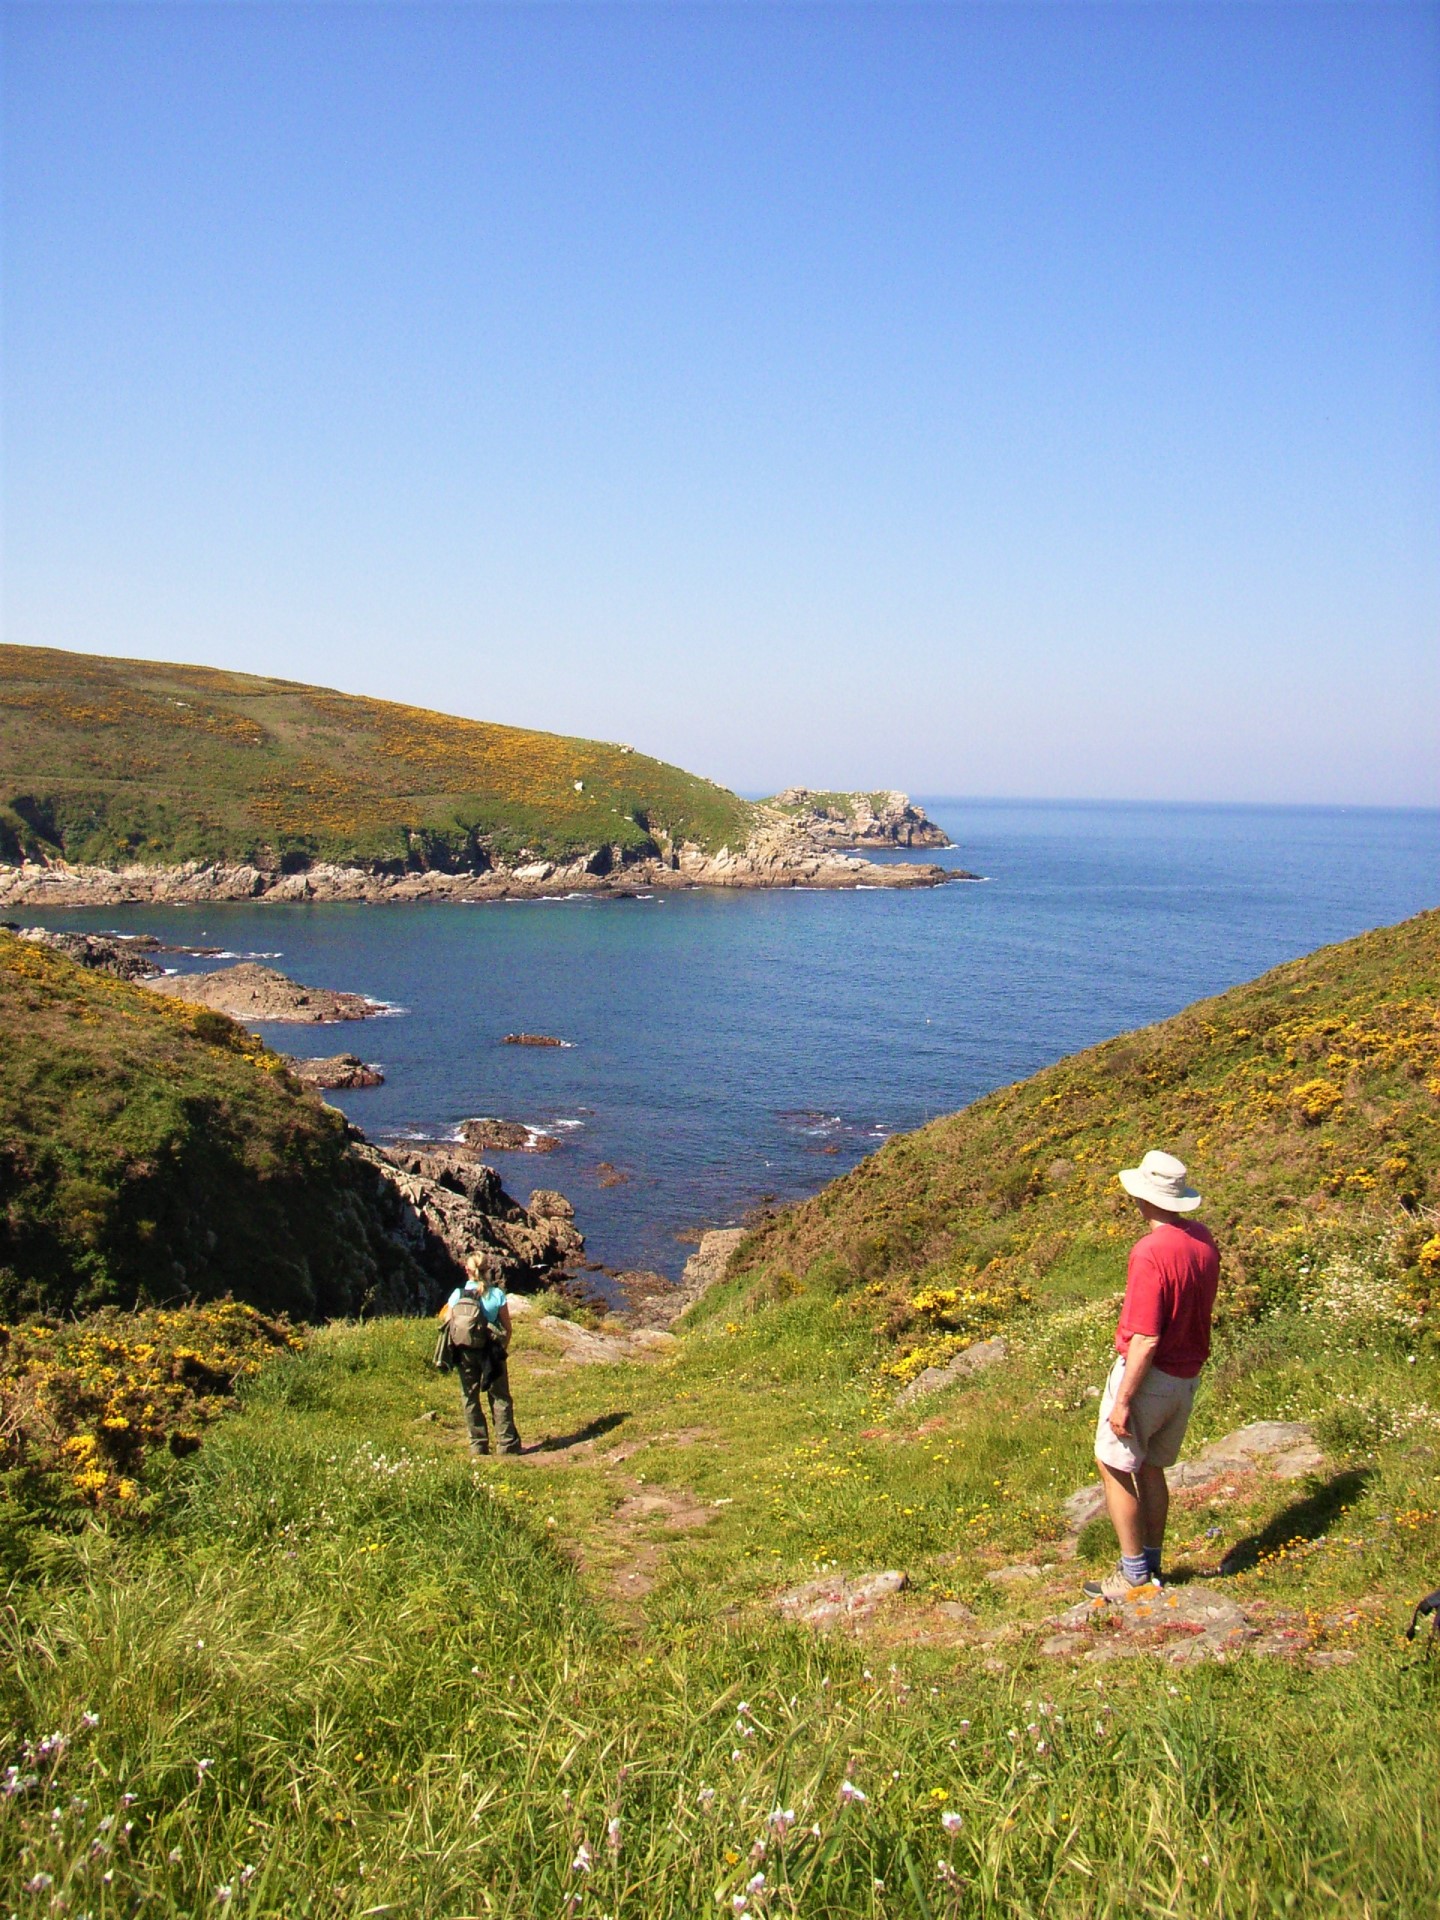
773 856
153 1151
136 781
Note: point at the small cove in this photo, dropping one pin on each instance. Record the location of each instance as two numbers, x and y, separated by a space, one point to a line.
734 1046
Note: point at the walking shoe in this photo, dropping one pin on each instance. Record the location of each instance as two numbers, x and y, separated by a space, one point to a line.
1115 1587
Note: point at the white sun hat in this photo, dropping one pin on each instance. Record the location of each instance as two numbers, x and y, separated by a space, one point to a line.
1160 1179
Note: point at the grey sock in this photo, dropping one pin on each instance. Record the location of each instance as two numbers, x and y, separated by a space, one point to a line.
1135 1569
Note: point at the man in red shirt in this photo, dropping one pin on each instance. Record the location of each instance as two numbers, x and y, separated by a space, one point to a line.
1163 1340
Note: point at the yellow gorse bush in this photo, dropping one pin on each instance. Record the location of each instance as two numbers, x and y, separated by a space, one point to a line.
86 1401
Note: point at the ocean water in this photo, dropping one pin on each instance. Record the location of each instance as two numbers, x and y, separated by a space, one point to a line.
727 1048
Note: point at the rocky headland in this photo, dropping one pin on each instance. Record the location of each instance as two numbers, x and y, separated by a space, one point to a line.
879 820
252 992
125 959
797 840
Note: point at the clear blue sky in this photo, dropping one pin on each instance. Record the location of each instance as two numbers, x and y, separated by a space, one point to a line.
992 399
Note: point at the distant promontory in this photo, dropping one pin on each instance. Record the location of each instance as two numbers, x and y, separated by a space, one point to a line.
132 780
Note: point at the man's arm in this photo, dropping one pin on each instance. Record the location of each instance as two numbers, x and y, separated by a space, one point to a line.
1139 1358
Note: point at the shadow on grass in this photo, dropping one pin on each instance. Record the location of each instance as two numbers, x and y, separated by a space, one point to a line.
592 1430
1305 1519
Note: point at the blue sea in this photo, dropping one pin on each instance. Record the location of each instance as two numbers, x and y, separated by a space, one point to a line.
732 1048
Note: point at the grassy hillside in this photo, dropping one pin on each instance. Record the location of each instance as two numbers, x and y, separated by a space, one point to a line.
104 761
150 1150
1307 1105
340 1669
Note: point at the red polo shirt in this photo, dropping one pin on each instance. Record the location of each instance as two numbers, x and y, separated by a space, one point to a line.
1170 1291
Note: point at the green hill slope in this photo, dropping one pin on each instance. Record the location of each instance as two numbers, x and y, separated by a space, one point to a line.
1306 1103
104 761
145 1154
330 1664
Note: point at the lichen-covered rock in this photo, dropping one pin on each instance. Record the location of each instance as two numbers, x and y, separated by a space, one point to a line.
839 1598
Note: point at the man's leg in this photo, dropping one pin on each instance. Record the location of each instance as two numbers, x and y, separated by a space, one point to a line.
1122 1503
1154 1491
468 1367
507 1437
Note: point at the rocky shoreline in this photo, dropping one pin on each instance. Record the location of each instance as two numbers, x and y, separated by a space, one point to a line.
252 992
794 845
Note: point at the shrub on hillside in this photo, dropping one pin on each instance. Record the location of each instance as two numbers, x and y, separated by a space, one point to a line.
83 1404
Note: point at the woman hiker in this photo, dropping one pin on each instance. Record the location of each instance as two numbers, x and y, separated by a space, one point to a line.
483 1369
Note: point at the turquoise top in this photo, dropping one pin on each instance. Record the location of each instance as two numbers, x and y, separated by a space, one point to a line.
492 1300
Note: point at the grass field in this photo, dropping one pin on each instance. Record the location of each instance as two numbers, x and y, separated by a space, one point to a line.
341 1669
106 761
351 1673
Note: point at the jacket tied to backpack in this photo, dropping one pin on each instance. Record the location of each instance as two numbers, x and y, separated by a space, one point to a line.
470 1329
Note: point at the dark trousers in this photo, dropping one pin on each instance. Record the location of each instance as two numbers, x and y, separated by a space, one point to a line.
502 1411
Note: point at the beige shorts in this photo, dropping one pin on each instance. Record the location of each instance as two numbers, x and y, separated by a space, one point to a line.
1159 1415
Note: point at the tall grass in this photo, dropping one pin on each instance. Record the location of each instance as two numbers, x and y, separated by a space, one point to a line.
351 1673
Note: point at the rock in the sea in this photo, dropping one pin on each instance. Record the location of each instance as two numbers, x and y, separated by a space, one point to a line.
532 1040
506 1136
340 1071
101 952
251 992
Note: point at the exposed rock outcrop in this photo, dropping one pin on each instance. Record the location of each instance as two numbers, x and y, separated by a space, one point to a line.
101 952
860 819
252 992
708 1264
505 1136
447 1208
972 1360
840 1599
